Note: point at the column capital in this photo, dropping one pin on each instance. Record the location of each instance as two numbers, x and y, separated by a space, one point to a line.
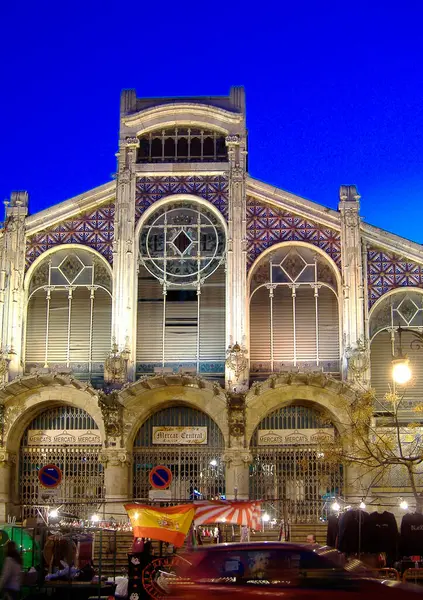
115 458
7 459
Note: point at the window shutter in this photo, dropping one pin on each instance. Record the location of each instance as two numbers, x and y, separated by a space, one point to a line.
283 324
149 318
79 349
102 325
305 324
212 317
181 331
36 327
260 325
328 325
58 327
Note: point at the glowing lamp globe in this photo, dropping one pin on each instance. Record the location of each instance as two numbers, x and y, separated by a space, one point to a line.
401 371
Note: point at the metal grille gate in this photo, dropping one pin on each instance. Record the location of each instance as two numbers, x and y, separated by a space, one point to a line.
198 470
295 481
82 487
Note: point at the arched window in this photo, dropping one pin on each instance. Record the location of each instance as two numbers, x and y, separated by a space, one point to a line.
288 470
68 438
69 314
181 291
294 320
192 449
405 309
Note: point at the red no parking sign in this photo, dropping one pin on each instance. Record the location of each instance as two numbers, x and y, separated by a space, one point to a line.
160 477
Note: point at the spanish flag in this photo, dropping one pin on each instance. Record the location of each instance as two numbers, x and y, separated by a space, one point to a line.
169 524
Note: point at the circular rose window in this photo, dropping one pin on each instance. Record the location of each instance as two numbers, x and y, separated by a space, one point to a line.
182 244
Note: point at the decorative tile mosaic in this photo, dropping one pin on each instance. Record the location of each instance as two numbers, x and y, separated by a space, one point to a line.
215 189
268 225
387 271
94 229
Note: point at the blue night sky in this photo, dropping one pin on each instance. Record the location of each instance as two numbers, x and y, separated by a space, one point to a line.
334 93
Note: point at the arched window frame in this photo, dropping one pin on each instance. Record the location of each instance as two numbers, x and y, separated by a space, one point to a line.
68 283
293 282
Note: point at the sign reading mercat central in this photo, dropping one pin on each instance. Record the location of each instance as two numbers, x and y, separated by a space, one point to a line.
180 435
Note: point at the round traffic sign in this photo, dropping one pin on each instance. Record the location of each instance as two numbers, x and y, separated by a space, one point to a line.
160 477
50 476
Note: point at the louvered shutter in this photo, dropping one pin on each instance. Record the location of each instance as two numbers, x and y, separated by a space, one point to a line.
212 317
149 318
79 348
381 366
36 327
102 325
283 324
260 326
305 324
328 325
181 331
58 327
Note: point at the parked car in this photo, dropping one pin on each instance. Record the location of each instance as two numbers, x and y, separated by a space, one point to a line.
288 571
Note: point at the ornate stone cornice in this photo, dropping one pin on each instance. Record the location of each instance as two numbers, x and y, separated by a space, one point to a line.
291 203
178 109
30 383
313 379
151 382
373 236
64 210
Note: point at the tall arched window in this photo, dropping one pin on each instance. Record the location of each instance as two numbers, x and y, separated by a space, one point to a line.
69 313
181 291
405 309
294 317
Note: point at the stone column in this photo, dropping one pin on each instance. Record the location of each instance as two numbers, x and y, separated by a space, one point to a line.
237 461
125 254
237 379
7 468
117 465
355 345
12 273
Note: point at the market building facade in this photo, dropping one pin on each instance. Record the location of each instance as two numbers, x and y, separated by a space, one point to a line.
188 315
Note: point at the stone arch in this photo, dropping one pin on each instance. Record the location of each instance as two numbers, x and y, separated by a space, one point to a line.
27 397
315 390
145 397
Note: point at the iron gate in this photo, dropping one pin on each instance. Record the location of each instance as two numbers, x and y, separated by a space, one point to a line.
295 481
82 487
198 470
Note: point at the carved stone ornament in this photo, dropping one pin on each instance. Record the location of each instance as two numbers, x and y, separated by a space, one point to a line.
112 413
116 365
237 458
358 358
131 141
236 359
232 139
7 459
236 414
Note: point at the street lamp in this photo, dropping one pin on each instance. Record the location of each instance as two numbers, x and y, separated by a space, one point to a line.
401 372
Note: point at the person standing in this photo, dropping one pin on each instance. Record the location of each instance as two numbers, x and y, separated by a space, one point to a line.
10 580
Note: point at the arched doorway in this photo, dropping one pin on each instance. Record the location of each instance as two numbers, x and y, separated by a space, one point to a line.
67 437
167 438
287 470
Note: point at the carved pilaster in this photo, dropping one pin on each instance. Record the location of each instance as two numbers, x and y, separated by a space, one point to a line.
237 254
12 272
237 463
125 252
236 419
352 279
112 413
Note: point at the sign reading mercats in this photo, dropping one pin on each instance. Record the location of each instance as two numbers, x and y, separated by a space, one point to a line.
180 435
54 437
289 437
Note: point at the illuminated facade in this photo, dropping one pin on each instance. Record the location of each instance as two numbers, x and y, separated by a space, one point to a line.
185 294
